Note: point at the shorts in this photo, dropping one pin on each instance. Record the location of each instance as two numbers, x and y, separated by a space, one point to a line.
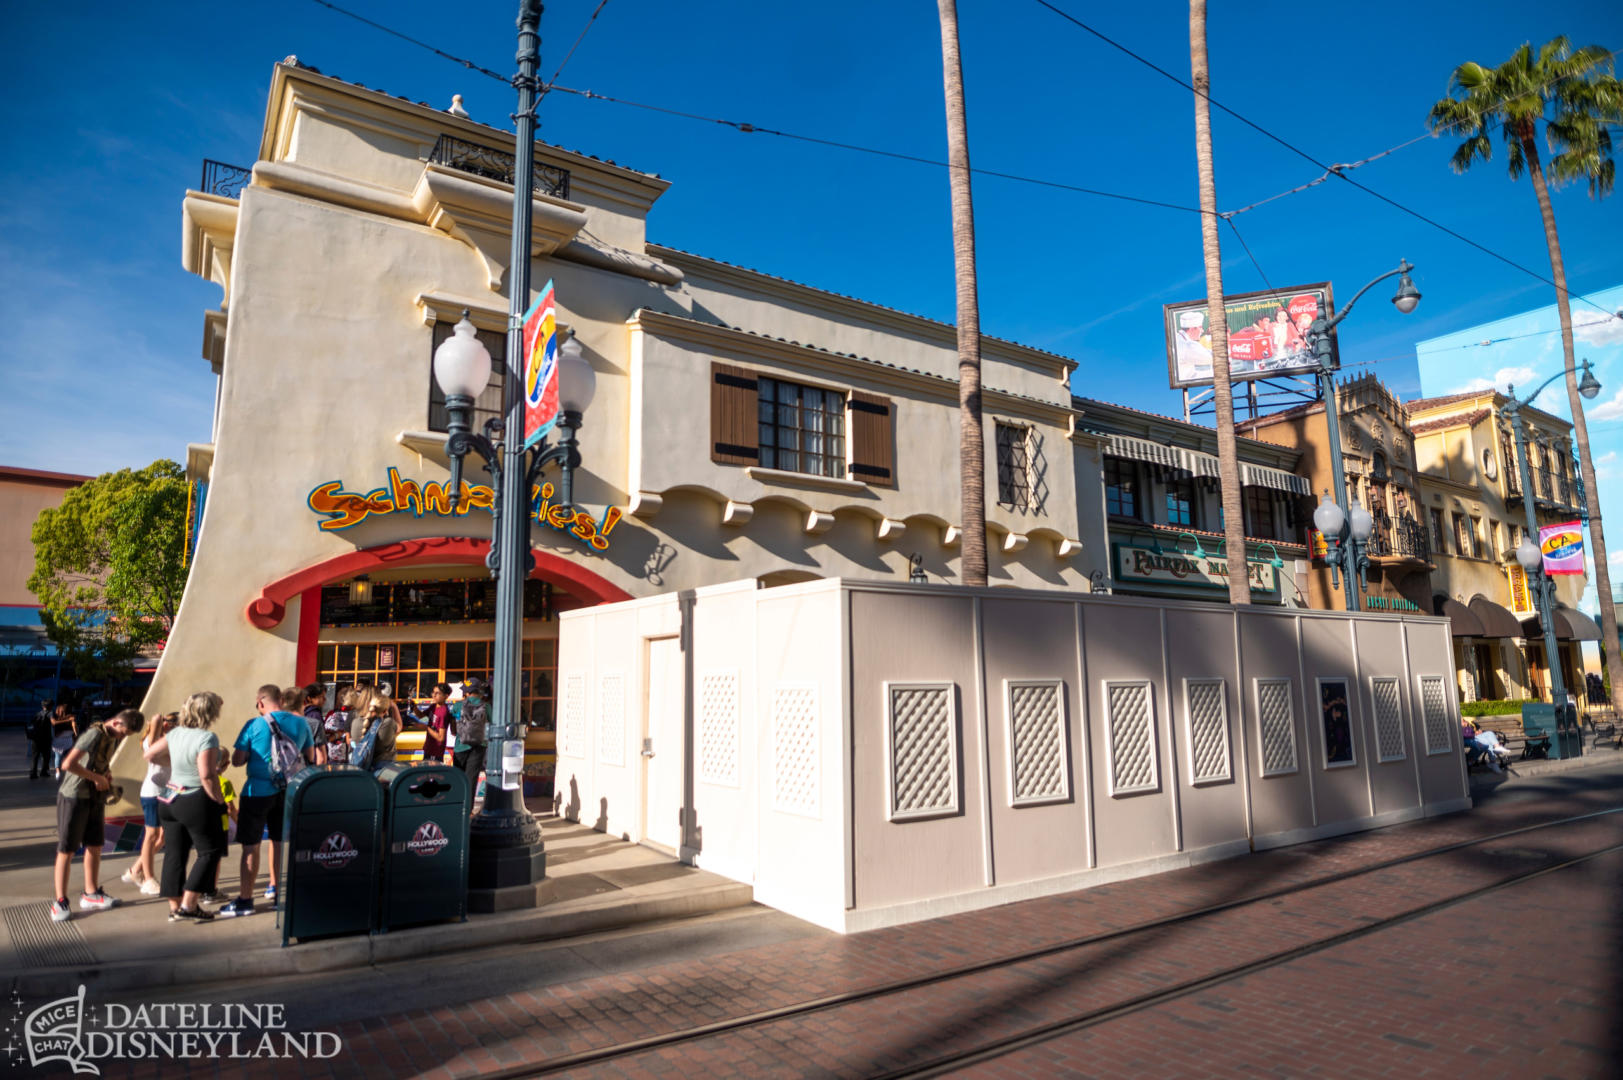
256 812
149 808
79 822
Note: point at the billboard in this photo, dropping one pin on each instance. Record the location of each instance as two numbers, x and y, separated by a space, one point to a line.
1267 335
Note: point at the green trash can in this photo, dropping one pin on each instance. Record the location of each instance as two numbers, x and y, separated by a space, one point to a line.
425 860
332 831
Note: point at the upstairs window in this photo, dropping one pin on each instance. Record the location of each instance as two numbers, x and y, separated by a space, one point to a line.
1463 538
1259 513
1014 456
802 428
1181 503
487 404
1121 488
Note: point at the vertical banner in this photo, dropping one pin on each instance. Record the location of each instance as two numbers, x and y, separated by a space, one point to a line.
1521 601
540 367
1563 547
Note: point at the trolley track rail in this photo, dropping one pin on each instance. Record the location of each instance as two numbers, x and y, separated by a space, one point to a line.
1044 1032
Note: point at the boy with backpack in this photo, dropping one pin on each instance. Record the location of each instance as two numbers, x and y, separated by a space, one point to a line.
273 746
87 780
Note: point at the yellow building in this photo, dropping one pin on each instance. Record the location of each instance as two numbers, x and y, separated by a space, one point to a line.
1471 494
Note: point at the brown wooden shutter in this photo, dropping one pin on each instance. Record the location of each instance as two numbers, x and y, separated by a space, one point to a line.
873 458
735 433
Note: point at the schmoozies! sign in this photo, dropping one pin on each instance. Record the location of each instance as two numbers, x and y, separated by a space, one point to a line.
1176 568
342 509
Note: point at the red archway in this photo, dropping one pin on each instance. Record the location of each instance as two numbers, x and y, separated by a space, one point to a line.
267 610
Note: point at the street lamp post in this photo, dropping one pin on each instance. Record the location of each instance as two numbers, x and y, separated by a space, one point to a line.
506 853
1528 552
1347 551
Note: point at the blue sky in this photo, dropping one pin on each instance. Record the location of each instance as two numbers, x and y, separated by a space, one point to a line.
114 109
1524 350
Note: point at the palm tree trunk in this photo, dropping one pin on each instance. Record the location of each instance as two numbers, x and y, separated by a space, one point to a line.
1580 426
1228 457
971 441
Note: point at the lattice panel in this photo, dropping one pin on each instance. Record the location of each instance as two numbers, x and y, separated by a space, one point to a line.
611 718
796 773
1388 719
1276 726
1130 717
1442 731
718 728
1208 730
923 758
572 723
1036 714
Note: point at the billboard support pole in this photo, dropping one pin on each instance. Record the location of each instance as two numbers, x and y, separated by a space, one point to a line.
1343 547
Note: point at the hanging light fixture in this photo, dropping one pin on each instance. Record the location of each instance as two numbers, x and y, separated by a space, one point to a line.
360 590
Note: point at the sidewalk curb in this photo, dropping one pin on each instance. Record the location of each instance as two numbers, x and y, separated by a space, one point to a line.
1526 770
337 954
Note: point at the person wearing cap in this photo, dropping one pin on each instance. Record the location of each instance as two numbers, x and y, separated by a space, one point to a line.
470 731
1193 356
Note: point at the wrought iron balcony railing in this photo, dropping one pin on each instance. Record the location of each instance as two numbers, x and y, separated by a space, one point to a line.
1400 537
497 165
222 179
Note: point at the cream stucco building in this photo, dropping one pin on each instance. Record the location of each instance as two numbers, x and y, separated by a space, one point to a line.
744 425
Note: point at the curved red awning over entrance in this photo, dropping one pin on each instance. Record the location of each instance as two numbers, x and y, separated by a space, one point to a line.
268 608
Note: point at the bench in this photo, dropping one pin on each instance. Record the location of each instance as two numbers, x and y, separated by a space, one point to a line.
1534 743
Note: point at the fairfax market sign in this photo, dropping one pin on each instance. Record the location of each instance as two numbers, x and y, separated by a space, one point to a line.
1176 568
342 509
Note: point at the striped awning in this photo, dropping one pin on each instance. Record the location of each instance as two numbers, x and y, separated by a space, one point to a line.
1198 464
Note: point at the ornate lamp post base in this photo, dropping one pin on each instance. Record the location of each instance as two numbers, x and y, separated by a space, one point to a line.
506 862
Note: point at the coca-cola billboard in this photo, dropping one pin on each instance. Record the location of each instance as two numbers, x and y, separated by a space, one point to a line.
1267 335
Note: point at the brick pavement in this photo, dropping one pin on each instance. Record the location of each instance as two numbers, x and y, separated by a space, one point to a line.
465 1039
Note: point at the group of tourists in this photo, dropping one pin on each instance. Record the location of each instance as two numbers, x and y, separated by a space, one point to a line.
51 734
190 808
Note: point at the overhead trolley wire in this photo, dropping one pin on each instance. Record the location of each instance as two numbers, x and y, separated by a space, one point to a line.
1338 171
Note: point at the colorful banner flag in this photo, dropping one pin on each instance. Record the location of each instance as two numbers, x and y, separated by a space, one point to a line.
540 367
1563 547
1521 601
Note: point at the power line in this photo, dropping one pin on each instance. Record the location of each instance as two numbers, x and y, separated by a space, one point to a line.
469 64
567 56
1236 230
1332 170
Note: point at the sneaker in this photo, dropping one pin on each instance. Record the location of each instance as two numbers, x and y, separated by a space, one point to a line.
270 892
235 909
214 896
59 911
131 877
191 915
97 901
149 887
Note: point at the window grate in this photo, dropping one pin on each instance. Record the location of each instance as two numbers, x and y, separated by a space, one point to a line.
487 404
1014 472
802 428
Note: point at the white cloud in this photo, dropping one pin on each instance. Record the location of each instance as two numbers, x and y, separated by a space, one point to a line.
1599 330
1614 558
1502 379
1606 465
1609 410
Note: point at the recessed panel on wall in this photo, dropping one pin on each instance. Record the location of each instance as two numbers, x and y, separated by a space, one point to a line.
572 724
922 723
1335 718
1130 736
1276 726
1206 715
1037 759
796 772
1386 702
611 718
1442 734
718 728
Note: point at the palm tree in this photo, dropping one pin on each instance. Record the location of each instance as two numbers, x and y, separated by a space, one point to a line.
1228 456
1574 94
971 445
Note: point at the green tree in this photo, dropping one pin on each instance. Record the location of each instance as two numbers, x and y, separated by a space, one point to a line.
109 567
1574 95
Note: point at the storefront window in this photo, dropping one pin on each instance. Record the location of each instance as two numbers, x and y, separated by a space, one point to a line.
412 668
438 601
802 428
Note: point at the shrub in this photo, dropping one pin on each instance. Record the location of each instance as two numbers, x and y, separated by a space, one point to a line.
1494 708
